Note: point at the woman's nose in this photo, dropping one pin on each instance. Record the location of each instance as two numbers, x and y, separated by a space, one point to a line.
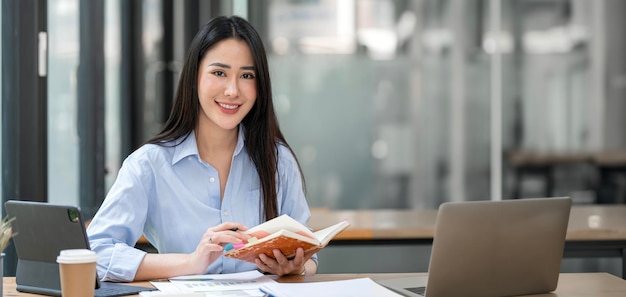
231 88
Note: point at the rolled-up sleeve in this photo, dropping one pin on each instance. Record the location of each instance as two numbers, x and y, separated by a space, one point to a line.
118 225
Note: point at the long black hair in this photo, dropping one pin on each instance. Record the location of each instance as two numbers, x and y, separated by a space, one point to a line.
262 132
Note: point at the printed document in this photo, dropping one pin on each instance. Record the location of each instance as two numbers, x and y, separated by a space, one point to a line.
360 287
229 284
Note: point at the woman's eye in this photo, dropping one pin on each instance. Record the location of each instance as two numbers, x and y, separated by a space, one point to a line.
248 76
218 73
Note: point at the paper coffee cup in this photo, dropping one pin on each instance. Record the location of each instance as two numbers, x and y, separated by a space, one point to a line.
77 269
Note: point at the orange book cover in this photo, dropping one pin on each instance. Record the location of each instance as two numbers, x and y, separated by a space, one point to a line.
285 234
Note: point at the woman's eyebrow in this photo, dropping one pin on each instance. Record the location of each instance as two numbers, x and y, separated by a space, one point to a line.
218 64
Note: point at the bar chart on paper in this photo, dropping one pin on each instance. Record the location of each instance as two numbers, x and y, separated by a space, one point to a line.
239 284
216 285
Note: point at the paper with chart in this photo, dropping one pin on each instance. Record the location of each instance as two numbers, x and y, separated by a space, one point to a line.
249 280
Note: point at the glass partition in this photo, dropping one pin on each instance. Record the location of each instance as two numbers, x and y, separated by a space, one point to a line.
365 94
1 167
559 96
387 103
63 51
112 111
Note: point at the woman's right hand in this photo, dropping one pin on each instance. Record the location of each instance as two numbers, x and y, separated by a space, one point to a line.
211 245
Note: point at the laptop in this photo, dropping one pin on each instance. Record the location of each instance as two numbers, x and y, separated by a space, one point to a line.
493 249
41 231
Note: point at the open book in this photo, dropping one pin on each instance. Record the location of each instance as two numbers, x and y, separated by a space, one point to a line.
285 234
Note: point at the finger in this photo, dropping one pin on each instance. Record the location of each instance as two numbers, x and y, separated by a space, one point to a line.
264 258
298 260
215 248
269 261
234 227
262 265
207 237
280 258
210 247
214 238
225 237
308 255
239 235
229 226
213 241
231 238
239 227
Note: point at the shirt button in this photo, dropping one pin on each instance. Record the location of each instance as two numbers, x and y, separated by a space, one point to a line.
212 179
226 212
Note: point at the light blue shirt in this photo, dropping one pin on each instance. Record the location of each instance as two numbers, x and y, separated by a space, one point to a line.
171 196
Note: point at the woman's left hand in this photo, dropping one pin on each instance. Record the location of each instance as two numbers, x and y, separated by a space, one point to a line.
281 265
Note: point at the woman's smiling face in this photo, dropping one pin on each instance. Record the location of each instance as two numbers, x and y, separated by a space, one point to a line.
226 84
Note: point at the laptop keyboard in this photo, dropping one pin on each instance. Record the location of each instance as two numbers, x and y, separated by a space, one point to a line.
417 290
111 290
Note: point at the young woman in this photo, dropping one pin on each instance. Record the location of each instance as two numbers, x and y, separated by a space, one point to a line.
220 162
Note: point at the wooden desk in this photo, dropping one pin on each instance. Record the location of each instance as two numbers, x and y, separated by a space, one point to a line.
593 231
570 284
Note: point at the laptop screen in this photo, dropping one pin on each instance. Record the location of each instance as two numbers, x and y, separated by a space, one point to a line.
494 249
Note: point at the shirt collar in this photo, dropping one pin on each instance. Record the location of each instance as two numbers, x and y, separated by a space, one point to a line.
189 146
241 140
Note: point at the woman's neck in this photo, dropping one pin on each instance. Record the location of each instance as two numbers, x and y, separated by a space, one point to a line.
215 142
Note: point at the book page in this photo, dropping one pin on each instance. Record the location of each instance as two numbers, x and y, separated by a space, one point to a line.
279 223
312 240
325 235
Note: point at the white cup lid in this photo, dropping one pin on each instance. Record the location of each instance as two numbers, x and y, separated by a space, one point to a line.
75 256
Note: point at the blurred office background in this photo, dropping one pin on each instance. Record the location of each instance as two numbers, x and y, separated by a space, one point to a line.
387 103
